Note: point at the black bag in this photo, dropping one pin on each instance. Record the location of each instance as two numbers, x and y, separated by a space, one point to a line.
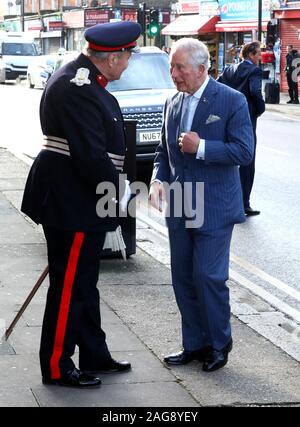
272 93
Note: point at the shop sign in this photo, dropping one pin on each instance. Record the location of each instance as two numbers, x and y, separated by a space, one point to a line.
94 16
74 19
55 25
129 15
126 3
165 17
209 8
33 25
189 6
243 10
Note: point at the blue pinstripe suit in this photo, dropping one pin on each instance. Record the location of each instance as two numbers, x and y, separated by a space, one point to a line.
200 255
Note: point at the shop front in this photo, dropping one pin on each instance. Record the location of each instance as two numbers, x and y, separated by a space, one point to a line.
200 27
238 25
289 25
235 35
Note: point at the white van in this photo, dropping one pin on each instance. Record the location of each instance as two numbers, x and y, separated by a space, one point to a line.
16 50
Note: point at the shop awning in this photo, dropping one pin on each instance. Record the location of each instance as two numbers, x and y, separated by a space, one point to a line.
236 26
189 25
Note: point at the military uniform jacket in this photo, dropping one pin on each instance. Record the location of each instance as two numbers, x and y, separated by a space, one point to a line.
84 145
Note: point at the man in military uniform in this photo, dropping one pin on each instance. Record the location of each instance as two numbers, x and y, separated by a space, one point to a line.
84 145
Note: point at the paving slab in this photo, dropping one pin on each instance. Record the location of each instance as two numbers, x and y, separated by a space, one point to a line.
17 397
158 394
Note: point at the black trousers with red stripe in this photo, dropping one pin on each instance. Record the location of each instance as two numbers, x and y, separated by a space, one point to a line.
72 312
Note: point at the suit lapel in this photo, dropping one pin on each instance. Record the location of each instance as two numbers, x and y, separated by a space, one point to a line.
204 105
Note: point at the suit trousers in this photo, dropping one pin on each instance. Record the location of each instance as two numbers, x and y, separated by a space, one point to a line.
200 268
72 312
247 175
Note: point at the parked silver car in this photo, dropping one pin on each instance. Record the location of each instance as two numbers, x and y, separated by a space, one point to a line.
142 92
2 70
40 69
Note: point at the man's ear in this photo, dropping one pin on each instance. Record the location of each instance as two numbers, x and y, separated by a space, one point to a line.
201 68
112 58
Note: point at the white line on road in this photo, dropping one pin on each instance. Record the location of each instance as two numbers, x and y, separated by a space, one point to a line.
265 295
243 281
266 277
281 153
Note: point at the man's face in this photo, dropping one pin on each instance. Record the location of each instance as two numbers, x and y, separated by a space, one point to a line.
288 49
255 57
185 76
120 63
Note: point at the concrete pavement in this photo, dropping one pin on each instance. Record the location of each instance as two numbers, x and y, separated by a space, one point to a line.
141 320
292 110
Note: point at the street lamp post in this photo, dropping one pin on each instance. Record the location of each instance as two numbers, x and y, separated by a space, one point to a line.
259 20
22 12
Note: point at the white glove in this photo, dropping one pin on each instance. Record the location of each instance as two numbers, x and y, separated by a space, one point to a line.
126 197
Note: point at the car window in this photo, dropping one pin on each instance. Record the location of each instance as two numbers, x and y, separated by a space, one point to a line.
22 49
144 71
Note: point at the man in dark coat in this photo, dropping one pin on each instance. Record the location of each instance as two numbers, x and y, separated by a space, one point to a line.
290 77
84 146
246 77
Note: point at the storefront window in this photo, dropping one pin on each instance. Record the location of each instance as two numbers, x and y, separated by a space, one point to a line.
233 45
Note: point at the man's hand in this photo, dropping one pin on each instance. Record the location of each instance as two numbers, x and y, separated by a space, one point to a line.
156 195
188 142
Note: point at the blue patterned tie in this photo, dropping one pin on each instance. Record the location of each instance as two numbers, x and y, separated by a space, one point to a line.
185 116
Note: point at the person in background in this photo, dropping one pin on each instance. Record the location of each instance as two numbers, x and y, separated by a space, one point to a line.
246 77
292 82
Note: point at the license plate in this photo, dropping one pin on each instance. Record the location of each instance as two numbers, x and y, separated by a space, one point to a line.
149 136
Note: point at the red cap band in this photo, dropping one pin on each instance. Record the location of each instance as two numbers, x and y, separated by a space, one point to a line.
110 49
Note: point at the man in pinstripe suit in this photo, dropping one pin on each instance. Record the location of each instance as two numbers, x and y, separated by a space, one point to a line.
206 135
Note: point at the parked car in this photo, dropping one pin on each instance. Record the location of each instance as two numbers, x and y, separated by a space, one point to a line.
40 69
141 92
2 70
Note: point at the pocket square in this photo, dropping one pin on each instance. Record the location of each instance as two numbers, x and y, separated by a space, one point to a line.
212 118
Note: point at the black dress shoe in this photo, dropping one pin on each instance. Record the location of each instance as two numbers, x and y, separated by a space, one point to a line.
216 359
296 101
184 357
110 366
290 101
251 212
75 378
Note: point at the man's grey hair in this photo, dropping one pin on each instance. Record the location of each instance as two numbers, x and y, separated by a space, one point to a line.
199 53
100 55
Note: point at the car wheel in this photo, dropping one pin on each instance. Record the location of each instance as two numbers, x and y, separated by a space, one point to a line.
30 85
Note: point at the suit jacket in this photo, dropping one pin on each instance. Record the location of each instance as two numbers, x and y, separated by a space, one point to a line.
61 186
222 119
246 78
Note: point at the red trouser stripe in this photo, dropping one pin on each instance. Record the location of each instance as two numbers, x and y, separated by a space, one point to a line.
65 305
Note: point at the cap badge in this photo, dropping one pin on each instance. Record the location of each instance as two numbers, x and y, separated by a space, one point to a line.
81 77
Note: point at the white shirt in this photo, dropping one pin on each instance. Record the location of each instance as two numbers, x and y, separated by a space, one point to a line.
192 101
